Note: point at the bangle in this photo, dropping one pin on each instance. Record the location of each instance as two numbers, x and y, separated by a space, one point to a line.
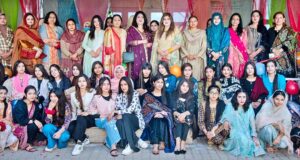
170 50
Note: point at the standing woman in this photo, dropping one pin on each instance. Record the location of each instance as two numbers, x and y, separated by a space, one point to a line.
139 42
272 80
28 120
119 73
129 117
58 80
273 123
218 40
6 42
256 37
114 45
208 80
167 42
282 44
58 117
183 112
71 49
93 45
28 45
40 81
108 22
97 73
51 32
238 55
229 83
154 24
194 48
254 87
158 116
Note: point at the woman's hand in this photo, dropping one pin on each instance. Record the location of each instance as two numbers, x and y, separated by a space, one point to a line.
277 140
38 124
226 125
158 115
84 113
57 135
256 141
74 57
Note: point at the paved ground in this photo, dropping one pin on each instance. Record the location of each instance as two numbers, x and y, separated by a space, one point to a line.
196 151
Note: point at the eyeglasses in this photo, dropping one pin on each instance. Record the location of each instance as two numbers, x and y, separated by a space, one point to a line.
214 93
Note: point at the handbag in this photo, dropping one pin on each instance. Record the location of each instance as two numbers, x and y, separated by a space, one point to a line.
128 57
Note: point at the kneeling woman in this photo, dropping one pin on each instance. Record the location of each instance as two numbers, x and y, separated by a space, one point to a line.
210 114
28 120
103 104
239 115
159 117
58 119
129 117
183 112
273 123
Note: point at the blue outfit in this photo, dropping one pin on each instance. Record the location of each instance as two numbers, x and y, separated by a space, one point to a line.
112 133
49 130
269 85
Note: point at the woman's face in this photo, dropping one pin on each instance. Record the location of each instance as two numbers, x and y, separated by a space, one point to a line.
162 70
53 98
167 21
109 23
209 73
52 19
255 17
117 22
2 20
226 72
241 98
279 20
216 20
98 69
3 95
29 20
184 88
75 71
140 19
153 27
187 72
71 26
146 73
158 84
31 95
193 23
82 83
278 100
235 21
250 70
54 72
124 86
105 86
96 23
21 68
214 94
119 73
38 73
271 68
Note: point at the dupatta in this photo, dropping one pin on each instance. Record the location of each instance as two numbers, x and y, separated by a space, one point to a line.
238 43
258 89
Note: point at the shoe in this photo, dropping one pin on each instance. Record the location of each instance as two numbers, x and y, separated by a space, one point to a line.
50 149
77 149
86 141
182 152
142 144
177 152
127 151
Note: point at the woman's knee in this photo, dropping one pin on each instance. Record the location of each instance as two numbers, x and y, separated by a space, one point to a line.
48 128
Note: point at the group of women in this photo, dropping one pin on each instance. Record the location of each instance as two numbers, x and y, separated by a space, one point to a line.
50 98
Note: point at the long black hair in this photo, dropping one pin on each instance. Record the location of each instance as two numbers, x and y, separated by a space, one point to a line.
208 108
235 103
145 25
260 26
187 95
165 65
226 65
141 82
239 29
245 75
93 78
130 91
46 19
61 106
185 65
42 69
4 101
101 82
106 21
163 92
213 81
61 73
27 89
15 72
78 95
93 28
275 81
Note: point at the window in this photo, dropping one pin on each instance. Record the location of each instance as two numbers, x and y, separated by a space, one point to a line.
119 13
179 16
156 16
131 14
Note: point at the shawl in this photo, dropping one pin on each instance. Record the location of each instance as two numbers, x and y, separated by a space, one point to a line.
192 36
115 81
75 40
3 30
258 89
286 37
238 43
150 106
294 108
17 85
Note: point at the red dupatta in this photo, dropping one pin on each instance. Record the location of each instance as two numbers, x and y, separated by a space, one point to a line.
258 89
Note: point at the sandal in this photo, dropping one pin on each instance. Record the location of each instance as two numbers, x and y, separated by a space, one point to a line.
161 147
30 149
14 146
155 151
114 152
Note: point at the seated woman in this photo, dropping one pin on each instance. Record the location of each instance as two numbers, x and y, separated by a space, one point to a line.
158 116
97 73
28 121
183 112
103 104
273 123
294 107
143 84
81 119
119 72
210 114
7 138
58 117
129 117
254 87
58 80
239 117
76 72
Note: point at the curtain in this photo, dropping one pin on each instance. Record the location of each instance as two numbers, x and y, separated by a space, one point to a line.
294 15
202 9
32 6
66 10
10 8
141 4
276 5
50 5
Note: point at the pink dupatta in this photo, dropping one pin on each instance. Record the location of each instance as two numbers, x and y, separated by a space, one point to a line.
19 85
